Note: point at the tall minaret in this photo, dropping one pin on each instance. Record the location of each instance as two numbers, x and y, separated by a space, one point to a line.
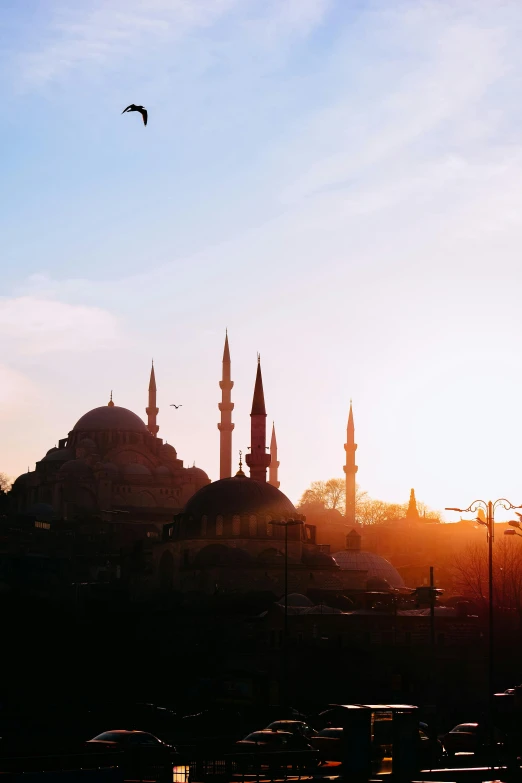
350 469
152 411
258 460
274 464
225 426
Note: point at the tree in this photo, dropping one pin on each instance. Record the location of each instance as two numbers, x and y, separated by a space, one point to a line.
369 511
471 568
5 482
331 494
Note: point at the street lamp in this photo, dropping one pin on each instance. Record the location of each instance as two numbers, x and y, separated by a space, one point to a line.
286 523
489 523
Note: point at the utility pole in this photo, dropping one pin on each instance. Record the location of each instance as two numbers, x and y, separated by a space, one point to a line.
286 524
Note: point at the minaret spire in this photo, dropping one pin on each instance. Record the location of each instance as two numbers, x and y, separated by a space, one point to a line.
152 411
274 464
350 468
258 460
226 407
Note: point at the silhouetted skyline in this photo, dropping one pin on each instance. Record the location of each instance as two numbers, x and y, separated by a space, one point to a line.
338 187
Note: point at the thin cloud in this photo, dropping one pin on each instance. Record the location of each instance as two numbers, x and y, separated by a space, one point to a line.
103 35
31 325
96 34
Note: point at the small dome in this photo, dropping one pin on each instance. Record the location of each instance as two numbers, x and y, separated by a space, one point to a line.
162 470
58 455
198 473
374 565
376 584
110 468
21 480
295 599
135 469
110 418
169 452
318 559
75 467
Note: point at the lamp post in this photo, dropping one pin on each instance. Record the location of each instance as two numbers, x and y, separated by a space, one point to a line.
286 523
489 523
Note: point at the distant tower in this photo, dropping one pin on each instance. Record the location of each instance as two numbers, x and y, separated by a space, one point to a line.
152 411
350 469
225 426
412 514
258 460
274 464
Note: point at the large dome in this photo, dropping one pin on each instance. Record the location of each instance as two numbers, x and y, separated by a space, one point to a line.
375 565
238 495
110 417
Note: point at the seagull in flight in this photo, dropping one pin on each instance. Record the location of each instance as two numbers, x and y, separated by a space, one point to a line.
175 406
141 110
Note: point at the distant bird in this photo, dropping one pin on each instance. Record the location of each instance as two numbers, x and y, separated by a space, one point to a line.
141 110
175 406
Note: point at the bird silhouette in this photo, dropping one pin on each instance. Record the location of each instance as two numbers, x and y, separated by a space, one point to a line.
141 110
175 406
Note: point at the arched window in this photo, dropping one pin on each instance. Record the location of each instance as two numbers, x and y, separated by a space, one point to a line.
269 526
204 520
236 525
252 525
219 525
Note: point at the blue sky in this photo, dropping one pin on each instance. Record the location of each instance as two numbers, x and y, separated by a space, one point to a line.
338 183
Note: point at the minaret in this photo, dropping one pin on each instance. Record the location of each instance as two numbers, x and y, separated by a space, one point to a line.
152 411
225 426
350 469
258 460
274 464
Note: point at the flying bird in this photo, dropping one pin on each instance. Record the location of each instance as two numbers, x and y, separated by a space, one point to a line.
141 110
175 406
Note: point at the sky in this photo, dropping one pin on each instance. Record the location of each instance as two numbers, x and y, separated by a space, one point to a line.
337 182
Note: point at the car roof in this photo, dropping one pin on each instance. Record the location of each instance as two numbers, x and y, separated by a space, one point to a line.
270 733
467 725
123 731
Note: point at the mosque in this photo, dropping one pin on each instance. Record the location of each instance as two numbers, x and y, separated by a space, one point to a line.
235 534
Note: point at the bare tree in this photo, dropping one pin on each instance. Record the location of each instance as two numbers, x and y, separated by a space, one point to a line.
5 482
427 512
471 568
331 494
369 511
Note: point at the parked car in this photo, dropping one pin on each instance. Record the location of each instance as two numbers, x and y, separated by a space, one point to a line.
465 738
297 727
276 749
329 743
139 751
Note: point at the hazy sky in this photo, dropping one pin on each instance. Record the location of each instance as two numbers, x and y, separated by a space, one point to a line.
338 183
